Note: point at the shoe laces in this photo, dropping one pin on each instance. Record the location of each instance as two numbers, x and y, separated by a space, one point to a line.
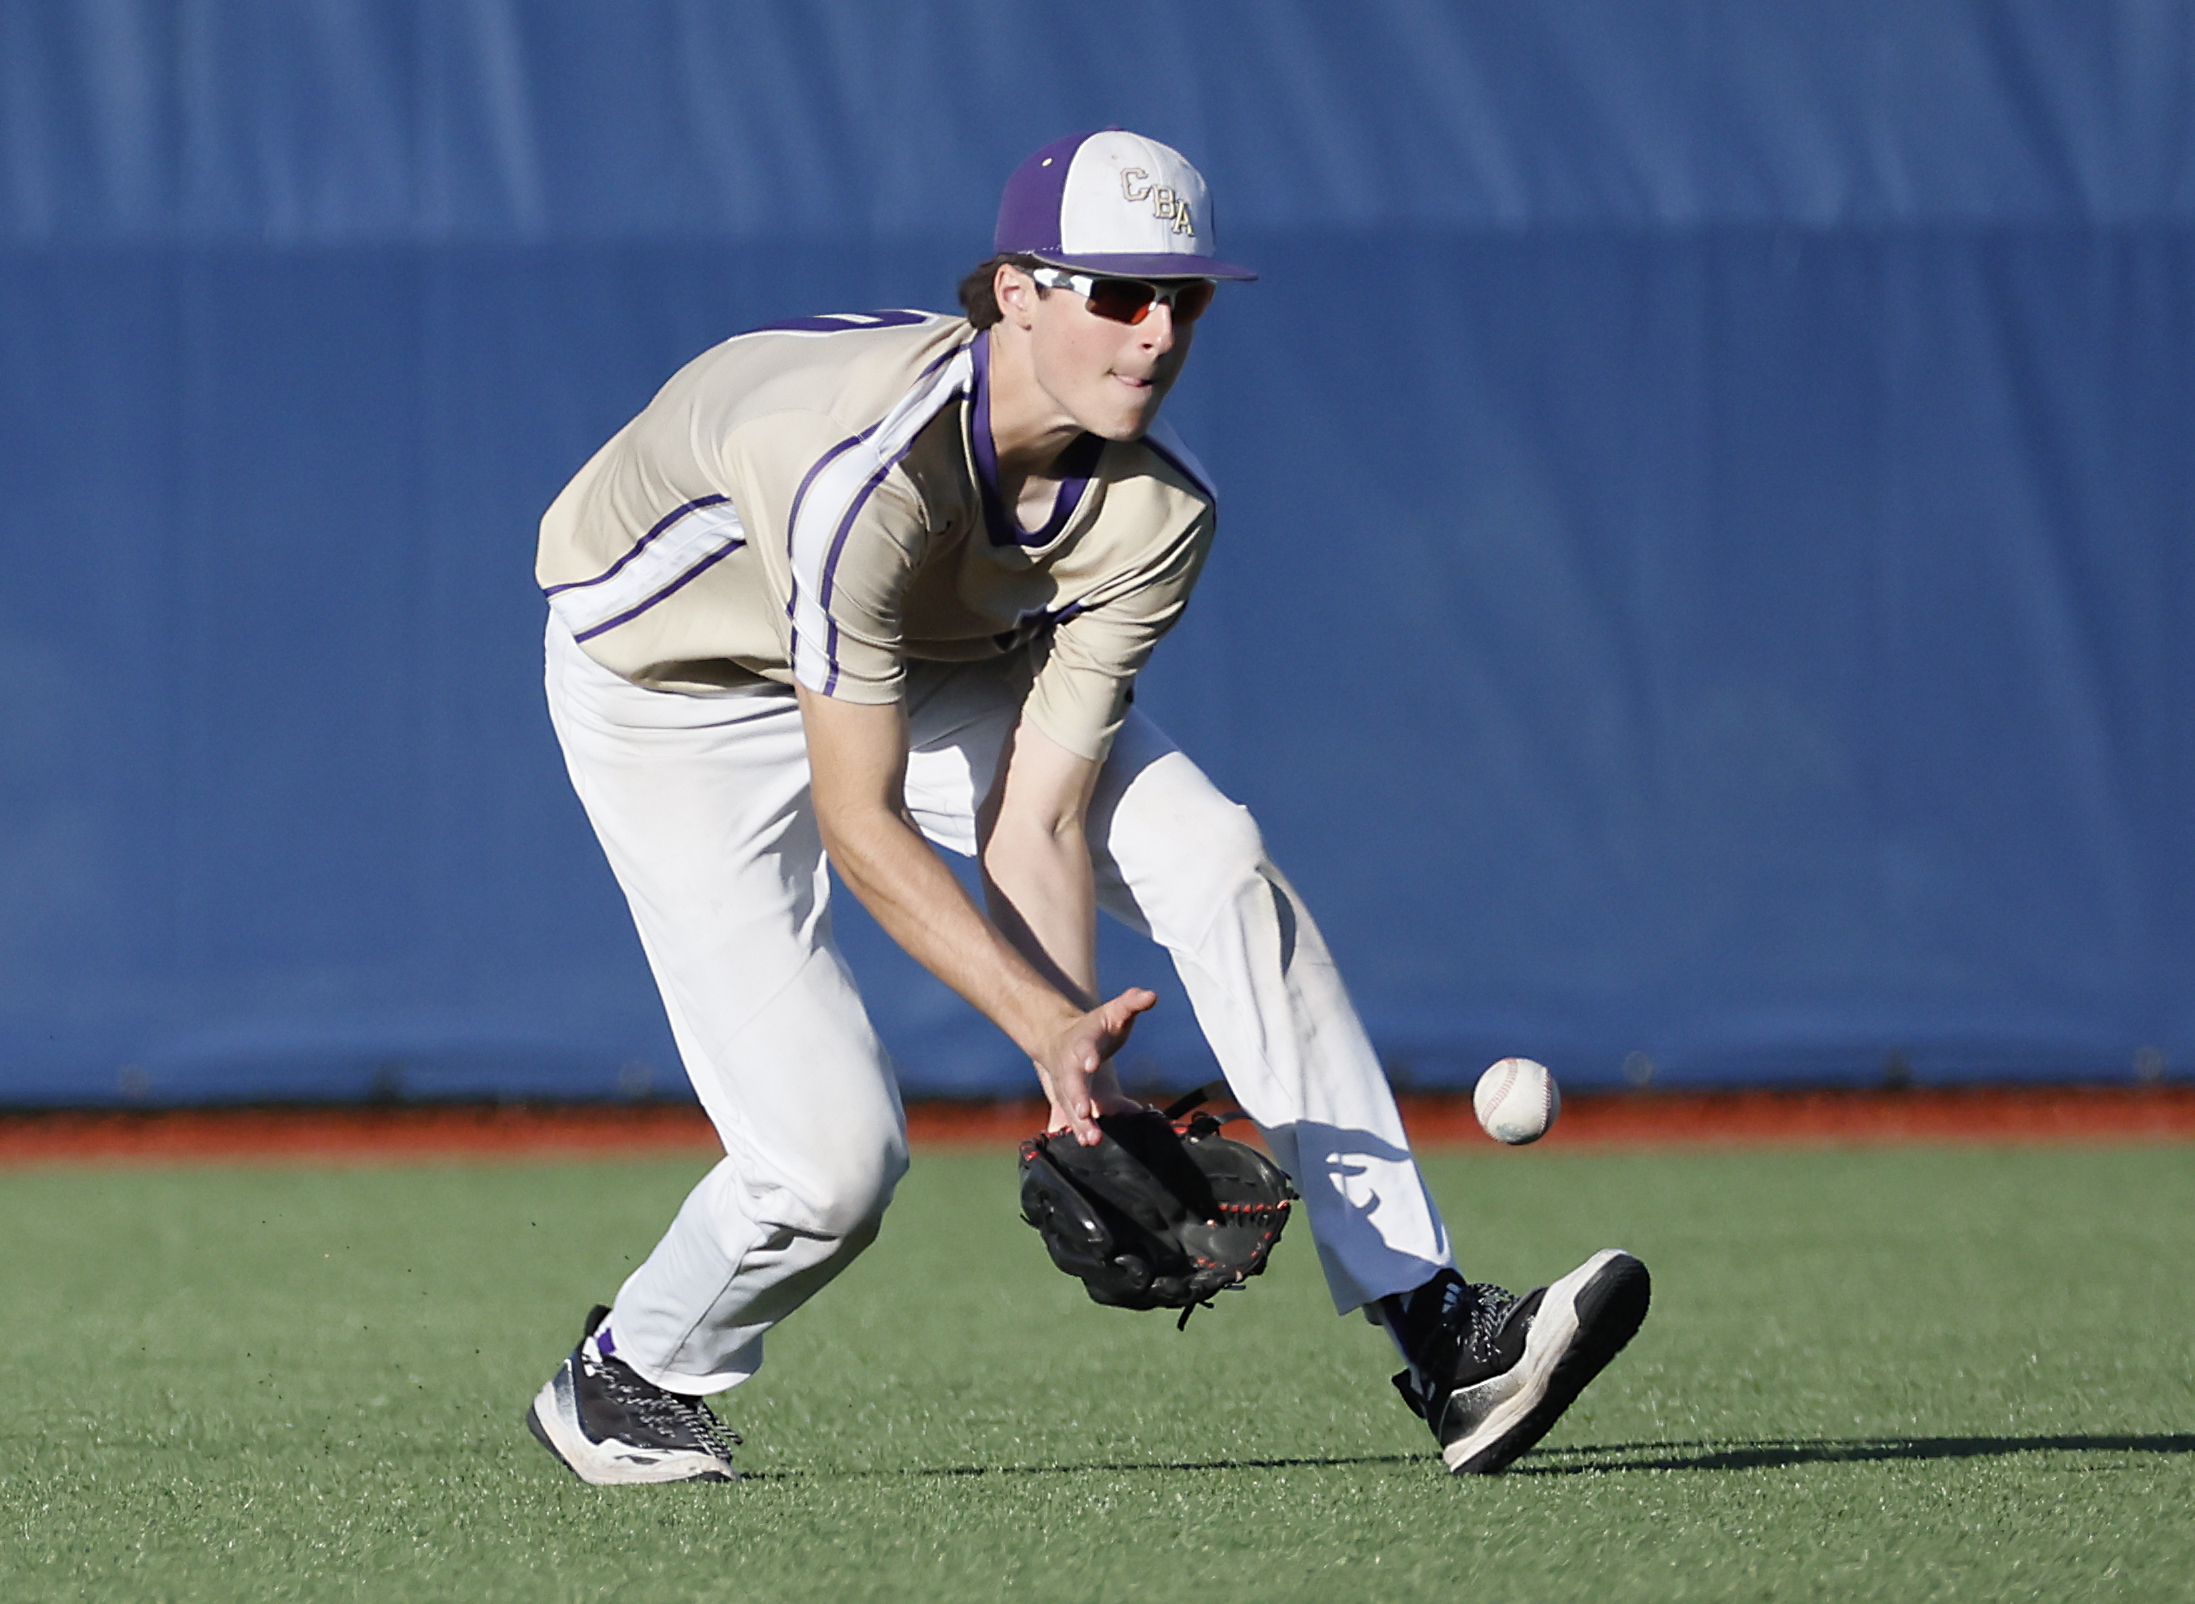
1476 1313
1457 1327
659 1409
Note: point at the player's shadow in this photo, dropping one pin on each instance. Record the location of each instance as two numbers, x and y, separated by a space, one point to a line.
1602 1458
1599 1458
1115 1466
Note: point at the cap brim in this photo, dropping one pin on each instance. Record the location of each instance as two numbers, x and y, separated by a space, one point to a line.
1155 264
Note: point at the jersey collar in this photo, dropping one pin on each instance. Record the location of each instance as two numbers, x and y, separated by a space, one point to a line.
1079 461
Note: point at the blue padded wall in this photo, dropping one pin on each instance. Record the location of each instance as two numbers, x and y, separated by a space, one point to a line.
1705 568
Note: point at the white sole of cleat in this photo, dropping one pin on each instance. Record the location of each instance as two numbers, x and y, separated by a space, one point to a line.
554 1419
1584 1320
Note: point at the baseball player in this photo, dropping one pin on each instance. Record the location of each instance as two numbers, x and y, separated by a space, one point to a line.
860 584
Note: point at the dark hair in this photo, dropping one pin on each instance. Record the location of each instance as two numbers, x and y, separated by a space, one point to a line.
977 297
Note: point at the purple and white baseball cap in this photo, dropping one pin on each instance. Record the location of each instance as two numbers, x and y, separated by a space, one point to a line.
1112 202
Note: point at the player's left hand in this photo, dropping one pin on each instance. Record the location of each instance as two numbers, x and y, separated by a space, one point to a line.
1076 1067
1158 1215
1105 1096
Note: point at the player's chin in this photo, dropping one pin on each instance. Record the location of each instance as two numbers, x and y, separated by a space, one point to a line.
1127 419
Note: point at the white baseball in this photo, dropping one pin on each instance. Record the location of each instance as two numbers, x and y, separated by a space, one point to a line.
1516 1101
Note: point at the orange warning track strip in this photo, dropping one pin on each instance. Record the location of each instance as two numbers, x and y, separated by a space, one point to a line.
1989 1115
427 1132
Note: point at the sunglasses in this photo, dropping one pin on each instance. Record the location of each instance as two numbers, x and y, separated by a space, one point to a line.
1129 300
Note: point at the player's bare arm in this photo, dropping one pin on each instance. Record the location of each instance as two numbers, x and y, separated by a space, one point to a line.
1036 875
857 755
1036 859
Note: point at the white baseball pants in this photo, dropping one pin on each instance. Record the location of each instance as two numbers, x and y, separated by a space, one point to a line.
701 803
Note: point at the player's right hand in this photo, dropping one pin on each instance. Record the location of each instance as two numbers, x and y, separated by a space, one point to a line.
1075 1069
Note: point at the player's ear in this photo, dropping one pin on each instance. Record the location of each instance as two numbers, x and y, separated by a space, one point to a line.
1016 293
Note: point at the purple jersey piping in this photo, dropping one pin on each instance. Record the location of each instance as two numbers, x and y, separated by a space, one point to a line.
838 541
792 568
638 546
838 544
678 584
843 322
1080 460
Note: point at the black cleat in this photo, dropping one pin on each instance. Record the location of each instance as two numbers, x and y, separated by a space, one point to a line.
1495 1372
611 1426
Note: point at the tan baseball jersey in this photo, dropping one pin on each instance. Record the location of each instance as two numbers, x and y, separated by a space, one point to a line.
817 503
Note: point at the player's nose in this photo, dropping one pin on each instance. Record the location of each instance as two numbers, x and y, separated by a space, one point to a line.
1156 331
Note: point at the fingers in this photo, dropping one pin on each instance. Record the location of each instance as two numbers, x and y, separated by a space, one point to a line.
1079 1122
1077 1104
1074 1106
1079 1097
1130 1003
1082 1116
1118 1017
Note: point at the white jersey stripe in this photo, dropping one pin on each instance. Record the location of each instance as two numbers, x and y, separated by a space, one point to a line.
665 560
830 502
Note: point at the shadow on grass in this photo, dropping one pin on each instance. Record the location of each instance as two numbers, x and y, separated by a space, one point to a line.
1599 1458
1596 1458
1176 1464
1111 1465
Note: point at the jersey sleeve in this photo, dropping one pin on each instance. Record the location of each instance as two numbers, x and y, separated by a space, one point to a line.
1080 692
849 531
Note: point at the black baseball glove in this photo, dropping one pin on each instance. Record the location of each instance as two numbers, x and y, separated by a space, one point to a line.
1159 1214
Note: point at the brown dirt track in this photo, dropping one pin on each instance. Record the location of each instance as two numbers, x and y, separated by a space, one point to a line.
2026 1115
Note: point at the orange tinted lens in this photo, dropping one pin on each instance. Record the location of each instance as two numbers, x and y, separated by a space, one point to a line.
1191 300
1124 300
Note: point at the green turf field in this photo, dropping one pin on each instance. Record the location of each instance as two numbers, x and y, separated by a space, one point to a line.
1903 1374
